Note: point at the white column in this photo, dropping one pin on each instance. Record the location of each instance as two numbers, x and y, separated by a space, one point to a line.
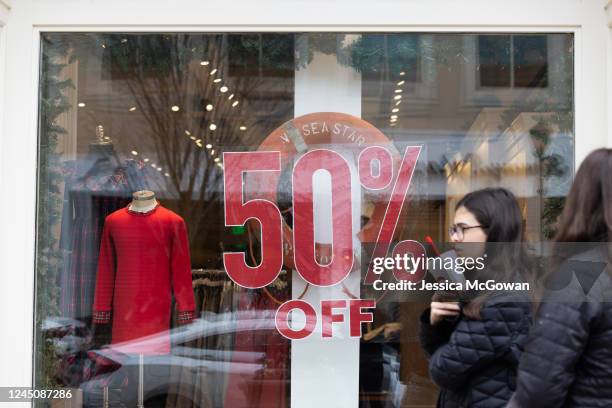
18 147
591 112
325 372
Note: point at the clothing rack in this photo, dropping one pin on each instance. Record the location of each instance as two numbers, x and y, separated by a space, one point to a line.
209 282
202 271
218 277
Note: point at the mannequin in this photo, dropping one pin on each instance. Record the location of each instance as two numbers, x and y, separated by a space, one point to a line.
143 201
144 272
144 265
101 158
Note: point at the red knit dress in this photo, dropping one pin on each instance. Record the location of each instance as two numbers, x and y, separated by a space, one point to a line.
144 259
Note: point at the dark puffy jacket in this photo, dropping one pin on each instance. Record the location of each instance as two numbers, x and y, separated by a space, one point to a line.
474 361
568 356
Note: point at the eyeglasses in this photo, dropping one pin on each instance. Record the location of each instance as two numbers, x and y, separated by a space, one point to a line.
459 229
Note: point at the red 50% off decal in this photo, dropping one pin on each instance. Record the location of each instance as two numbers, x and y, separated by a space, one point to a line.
250 187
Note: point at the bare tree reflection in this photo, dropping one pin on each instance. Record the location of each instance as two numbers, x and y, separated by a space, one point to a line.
172 79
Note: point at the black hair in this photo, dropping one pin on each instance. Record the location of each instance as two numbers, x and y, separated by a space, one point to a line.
497 211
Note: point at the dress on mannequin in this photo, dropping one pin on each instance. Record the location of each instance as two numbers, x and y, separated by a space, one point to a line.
144 260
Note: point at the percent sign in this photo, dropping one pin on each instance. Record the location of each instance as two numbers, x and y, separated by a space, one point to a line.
238 212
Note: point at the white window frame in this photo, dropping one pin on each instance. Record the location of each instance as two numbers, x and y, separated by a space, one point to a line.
29 18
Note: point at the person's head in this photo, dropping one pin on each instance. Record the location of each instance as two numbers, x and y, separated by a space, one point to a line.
489 221
484 216
587 215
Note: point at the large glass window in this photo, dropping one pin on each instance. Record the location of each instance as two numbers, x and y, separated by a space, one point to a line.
133 297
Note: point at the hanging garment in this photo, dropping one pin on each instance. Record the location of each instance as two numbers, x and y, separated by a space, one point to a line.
92 192
144 259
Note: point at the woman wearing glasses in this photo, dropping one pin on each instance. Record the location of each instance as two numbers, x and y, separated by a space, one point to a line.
474 342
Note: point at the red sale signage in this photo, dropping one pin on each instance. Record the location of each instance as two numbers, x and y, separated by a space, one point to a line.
304 146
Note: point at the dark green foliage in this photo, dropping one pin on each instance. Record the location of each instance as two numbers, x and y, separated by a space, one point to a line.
53 102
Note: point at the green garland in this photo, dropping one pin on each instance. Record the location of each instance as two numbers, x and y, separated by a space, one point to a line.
53 102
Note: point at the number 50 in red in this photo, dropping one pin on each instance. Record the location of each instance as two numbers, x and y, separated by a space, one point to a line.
267 214
238 212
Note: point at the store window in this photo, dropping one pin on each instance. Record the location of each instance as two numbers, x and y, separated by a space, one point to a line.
513 61
134 301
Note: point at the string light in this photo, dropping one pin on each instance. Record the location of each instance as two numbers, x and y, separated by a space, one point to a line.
243 128
166 174
188 133
397 103
234 104
132 109
212 152
396 97
212 126
175 108
81 105
398 91
146 160
224 89
395 110
209 107
216 81
400 83
213 72
402 73
134 152
204 63
217 160
230 97
208 146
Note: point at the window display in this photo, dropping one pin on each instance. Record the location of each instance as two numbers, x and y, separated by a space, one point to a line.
144 260
192 183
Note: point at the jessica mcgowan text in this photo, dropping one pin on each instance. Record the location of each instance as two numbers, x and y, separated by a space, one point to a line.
452 286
